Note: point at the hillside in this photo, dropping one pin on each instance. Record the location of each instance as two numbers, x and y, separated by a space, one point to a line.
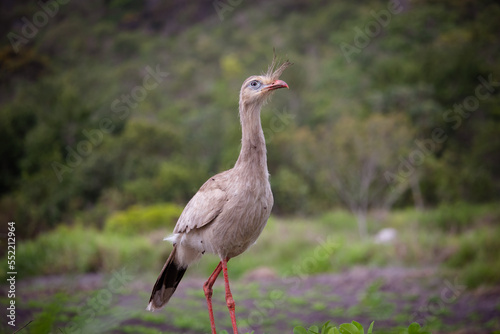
109 104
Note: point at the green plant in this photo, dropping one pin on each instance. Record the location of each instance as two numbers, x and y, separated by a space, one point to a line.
78 250
414 328
143 218
45 320
375 302
352 328
339 218
347 328
476 256
455 217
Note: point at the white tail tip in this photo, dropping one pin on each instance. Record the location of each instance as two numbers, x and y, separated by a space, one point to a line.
150 307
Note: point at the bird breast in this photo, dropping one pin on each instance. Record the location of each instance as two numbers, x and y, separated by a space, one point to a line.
249 204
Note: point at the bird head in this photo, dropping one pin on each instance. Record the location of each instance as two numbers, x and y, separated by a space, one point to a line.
257 88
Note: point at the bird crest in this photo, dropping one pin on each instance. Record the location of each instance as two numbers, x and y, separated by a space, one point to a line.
276 69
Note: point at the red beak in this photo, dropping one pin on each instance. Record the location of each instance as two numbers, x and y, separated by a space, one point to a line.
276 84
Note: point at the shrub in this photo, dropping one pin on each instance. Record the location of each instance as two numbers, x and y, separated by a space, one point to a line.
477 257
78 250
451 217
138 219
60 251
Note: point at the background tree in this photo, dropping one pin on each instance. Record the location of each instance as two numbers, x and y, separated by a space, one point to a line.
352 156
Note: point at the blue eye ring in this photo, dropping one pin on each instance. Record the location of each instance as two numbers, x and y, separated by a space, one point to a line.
255 84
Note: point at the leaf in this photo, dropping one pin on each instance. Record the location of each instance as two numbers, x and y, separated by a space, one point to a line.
370 329
314 329
349 329
331 330
358 326
414 328
299 330
325 328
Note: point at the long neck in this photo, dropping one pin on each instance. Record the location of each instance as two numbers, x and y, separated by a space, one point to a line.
253 144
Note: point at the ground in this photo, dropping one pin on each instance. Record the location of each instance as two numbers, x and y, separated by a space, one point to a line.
392 297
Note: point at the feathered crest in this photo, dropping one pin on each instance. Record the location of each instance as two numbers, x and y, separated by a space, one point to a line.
274 71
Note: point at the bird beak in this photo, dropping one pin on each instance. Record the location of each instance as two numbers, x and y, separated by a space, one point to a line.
276 84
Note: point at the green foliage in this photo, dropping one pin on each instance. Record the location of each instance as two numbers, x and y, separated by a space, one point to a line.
290 191
415 328
352 328
137 219
45 321
455 217
340 219
307 246
476 257
347 328
163 146
375 302
353 154
79 250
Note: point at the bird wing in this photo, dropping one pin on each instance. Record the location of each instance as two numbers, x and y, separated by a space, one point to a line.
204 207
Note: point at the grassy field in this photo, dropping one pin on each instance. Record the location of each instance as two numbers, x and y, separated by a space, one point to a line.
442 270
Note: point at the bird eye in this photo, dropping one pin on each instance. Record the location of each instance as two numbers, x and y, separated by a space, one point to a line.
255 84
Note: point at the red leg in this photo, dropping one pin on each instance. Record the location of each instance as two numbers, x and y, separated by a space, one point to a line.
229 297
207 288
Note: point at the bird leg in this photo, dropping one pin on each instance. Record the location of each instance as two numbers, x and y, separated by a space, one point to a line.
229 297
207 288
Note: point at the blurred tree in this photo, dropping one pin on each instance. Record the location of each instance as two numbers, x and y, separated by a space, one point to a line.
352 156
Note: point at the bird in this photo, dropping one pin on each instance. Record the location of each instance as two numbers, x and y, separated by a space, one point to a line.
230 210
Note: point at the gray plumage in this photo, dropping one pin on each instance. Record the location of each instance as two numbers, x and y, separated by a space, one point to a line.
229 212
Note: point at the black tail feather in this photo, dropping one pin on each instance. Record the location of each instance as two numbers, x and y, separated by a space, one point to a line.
167 282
